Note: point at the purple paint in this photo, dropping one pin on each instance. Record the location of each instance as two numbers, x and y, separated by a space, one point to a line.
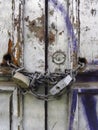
89 76
73 108
69 26
95 62
89 91
89 104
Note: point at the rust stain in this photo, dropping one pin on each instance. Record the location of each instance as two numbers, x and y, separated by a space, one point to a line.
32 26
51 37
74 57
76 24
40 33
7 58
17 49
36 26
41 19
17 53
12 55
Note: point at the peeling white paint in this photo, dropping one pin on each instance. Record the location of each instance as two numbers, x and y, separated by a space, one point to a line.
61 37
33 49
88 28
5 25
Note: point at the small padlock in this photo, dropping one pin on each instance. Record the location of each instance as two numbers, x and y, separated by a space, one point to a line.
61 85
21 80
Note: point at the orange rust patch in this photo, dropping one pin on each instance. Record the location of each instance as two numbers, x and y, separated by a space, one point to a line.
40 33
51 37
36 26
17 53
74 57
12 56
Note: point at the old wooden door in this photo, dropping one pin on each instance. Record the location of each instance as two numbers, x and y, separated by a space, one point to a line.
36 33
47 36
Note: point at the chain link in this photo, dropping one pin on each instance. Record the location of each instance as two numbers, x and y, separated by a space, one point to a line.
38 79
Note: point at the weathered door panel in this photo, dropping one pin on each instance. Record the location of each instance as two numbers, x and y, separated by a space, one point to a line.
72 24
10 117
58 114
84 112
70 34
88 30
34 52
33 113
5 111
5 25
58 36
11 31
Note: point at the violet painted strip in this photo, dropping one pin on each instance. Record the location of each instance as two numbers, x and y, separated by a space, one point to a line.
61 8
89 103
73 108
89 91
89 76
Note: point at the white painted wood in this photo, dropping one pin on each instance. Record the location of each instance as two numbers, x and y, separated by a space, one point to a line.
15 110
5 25
89 32
33 117
73 9
58 114
8 107
34 35
59 42
5 111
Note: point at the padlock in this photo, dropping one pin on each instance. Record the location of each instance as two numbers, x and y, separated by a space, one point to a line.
21 80
61 85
